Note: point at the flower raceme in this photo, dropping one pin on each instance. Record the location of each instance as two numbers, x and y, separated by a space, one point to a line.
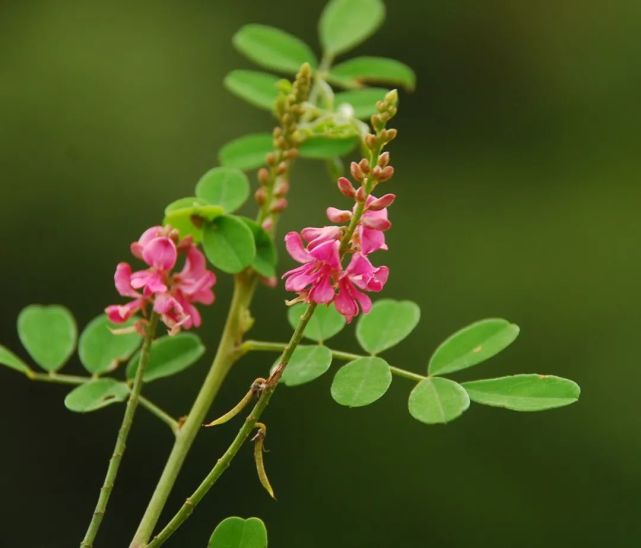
171 295
322 279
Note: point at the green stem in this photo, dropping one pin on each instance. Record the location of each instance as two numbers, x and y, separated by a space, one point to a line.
58 378
261 346
226 356
321 74
159 413
250 422
121 440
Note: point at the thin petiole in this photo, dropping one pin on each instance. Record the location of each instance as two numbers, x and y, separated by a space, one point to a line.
263 346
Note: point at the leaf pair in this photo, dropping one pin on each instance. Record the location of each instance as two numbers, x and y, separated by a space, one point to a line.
169 355
439 400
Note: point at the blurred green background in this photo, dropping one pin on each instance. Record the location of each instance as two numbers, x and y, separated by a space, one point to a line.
518 175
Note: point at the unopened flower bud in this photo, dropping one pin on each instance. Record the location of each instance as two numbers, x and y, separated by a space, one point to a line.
364 165
268 224
361 194
282 168
383 159
377 172
291 154
382 202
270 282
260 195
263 176
387 174
389 134
338 215
346 187
356 171
282 188
279 205
371 141
271 159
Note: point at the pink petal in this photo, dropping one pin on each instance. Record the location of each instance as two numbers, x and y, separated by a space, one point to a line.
316 236
327 252
322 292
160 253
370 221
121 313
294 245
122 280
371 240
145 238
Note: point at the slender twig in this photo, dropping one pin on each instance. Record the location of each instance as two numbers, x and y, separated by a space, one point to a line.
248 427
261 346
159 413
121 440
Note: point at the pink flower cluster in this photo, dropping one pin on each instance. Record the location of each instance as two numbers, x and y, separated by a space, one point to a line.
322 279
171 295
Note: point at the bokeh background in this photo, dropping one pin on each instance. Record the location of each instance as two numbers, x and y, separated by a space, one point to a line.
519 183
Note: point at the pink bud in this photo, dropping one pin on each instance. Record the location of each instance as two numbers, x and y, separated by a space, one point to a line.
387 174
356 171
382 202
361 194
260 195
268 224
346 187
279 205
338 215
282 188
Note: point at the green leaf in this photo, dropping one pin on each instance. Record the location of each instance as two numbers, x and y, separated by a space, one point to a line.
237 532
273 48
265 259
325 147
472 345
362 101
257 88
9 359
361 381
373 70
437 401
229 244
524 392
48 333
226 187
246 152
346 23
100 350
95 395
169 355
187 215
325 322
306 364
387 324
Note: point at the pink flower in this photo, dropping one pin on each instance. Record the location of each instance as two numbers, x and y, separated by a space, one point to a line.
170 295
360 275
321 267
